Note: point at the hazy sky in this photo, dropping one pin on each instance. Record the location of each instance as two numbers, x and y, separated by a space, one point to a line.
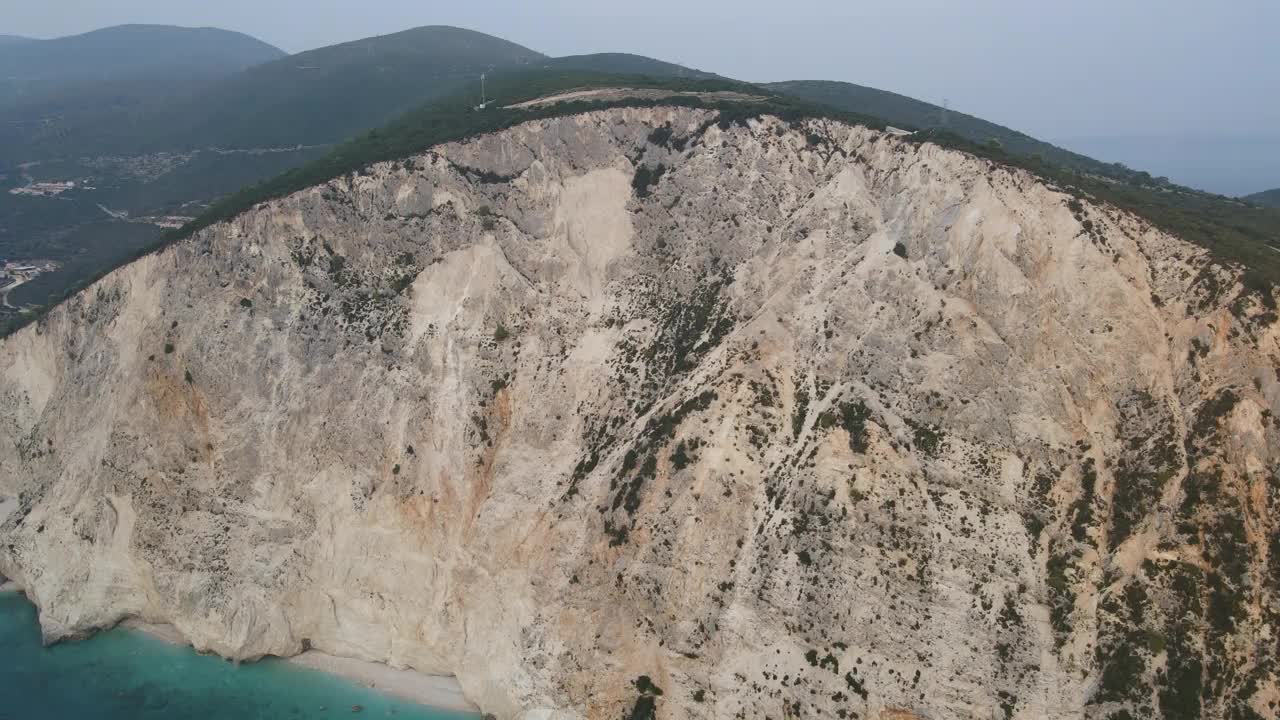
1053 69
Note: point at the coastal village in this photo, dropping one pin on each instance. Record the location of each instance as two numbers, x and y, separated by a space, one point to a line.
16 273
47 189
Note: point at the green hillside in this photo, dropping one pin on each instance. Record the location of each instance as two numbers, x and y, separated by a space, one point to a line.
1268 198
330 94
911 114
317 97
623 64
72 96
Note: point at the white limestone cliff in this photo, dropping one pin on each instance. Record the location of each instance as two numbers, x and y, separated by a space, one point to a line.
801 420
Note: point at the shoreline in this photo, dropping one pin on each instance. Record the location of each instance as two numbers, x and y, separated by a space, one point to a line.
441 692
438 691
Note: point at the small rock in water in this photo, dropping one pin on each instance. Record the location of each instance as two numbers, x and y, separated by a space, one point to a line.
357 708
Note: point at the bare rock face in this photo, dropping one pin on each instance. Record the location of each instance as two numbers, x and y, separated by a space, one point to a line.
638 413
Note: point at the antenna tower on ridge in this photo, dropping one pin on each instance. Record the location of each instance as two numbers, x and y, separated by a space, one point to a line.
484 102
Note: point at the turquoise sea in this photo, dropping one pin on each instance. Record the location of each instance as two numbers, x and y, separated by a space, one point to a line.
123 674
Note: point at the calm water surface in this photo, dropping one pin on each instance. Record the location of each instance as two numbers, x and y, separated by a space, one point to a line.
124 674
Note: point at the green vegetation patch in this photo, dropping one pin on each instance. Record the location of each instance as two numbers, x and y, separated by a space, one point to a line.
852 416
646 178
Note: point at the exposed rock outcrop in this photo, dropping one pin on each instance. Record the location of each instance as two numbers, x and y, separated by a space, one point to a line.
636 413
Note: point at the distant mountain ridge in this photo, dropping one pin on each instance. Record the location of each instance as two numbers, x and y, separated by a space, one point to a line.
329 94
33 69
315 97
14 40
1269 198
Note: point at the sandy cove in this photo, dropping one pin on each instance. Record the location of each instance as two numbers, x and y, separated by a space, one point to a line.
438 691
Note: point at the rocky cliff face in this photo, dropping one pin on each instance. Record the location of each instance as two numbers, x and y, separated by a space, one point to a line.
634 413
